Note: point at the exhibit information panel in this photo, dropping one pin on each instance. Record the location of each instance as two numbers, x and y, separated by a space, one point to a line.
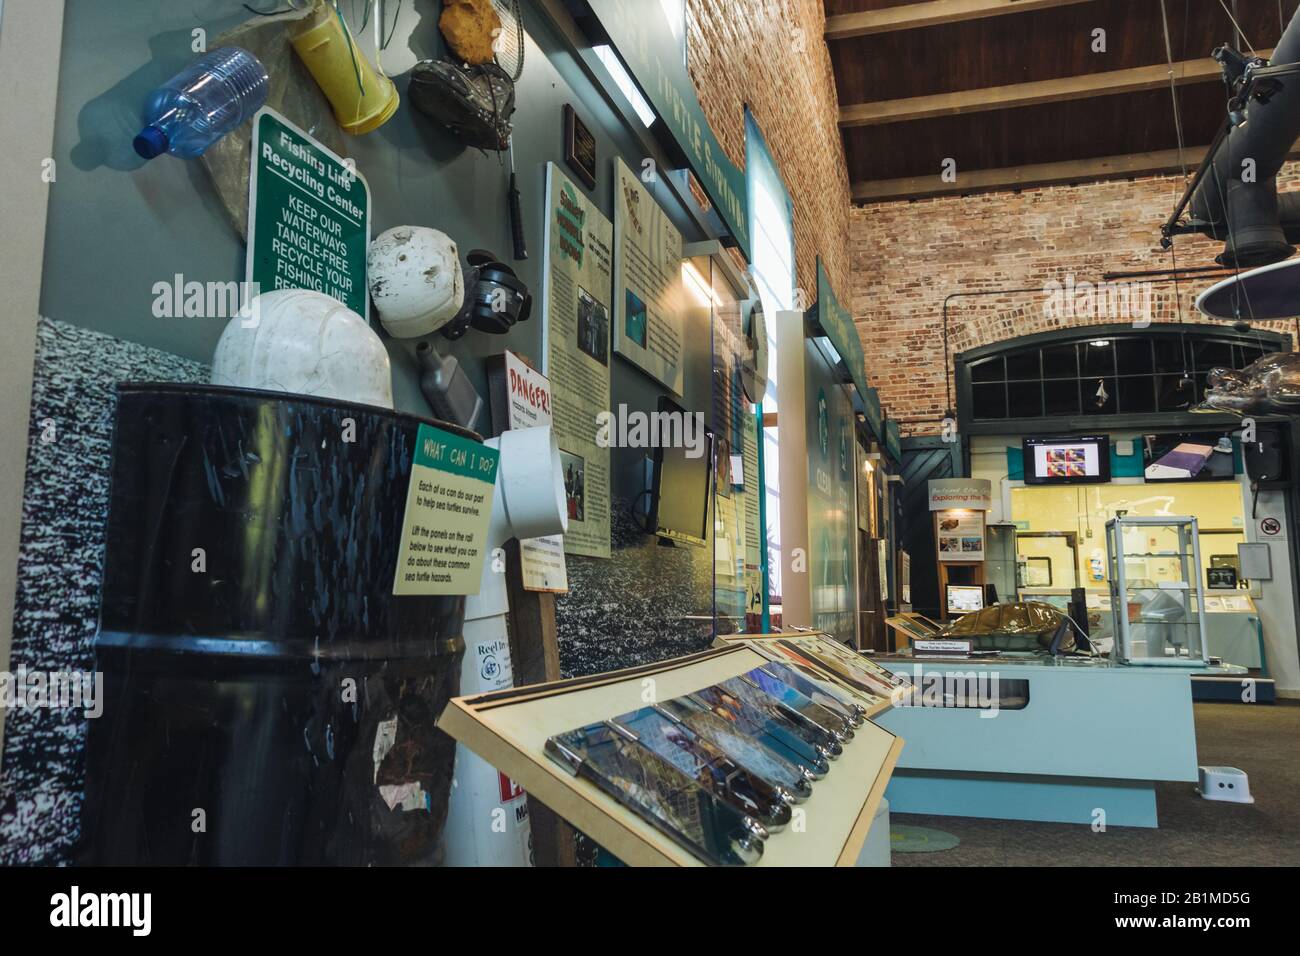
961 535
308 216
832 532
576 279
448 507
647 283
730 492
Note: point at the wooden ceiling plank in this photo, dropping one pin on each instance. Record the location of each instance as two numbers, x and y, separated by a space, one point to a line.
914 16
1085 86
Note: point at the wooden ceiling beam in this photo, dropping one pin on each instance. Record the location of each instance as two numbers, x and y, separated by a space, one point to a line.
1026 177
1069 172
913 16
1087 86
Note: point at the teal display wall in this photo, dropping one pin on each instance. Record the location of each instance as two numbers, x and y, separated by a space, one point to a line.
832 492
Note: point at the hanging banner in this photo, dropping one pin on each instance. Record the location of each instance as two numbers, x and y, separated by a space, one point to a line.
448 507
529 395
308 216
646 44
576 281
647 282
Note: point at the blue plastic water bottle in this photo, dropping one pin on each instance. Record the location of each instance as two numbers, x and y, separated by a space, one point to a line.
202 103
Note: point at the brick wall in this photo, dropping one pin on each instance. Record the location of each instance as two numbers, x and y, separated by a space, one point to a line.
769 55
906 257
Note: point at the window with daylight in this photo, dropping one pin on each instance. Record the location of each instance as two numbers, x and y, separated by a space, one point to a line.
771 239
1102 371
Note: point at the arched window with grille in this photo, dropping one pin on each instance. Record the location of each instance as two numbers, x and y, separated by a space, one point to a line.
1115 375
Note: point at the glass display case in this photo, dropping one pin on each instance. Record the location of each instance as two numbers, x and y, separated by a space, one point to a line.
1155 589
1000 560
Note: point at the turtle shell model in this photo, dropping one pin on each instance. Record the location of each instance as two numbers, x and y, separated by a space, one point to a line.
1267 386
1020 626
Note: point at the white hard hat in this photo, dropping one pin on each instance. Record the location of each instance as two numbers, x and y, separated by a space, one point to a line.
295 340
415 279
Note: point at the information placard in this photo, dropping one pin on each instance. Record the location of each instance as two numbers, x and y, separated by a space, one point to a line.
308 216
448 507
961 535
575 294
648 327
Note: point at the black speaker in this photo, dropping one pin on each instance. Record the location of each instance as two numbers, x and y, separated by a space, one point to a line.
1268 457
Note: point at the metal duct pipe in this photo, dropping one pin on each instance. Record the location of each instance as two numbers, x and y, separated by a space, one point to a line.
1236 201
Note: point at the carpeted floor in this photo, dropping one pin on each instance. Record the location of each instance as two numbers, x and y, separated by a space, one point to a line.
1262 740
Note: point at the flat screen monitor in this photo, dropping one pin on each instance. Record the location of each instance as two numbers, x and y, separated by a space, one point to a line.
962 599
679 496
1079 460
1187 456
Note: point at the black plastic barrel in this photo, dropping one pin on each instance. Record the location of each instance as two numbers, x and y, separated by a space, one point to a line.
267 699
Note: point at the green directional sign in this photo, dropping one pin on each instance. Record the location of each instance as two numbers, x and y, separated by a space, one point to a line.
875 414
308 216
837 323
894 440
640 34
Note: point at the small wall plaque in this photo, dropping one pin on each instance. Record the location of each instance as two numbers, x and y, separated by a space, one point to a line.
579 147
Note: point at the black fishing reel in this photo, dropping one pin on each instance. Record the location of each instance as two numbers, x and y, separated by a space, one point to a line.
495 298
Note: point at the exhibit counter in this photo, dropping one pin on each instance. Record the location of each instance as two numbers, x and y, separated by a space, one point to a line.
1031 738
1233 632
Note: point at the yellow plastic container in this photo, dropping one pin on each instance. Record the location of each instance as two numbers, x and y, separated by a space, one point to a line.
334 60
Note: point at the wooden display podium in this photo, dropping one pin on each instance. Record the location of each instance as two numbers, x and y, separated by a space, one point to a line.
509 729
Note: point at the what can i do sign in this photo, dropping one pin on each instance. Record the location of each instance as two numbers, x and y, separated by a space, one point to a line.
448 508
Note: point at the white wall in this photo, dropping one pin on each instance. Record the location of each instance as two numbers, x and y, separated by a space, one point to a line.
1274 598
796 590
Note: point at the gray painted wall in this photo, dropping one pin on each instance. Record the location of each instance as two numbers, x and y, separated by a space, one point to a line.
118 224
